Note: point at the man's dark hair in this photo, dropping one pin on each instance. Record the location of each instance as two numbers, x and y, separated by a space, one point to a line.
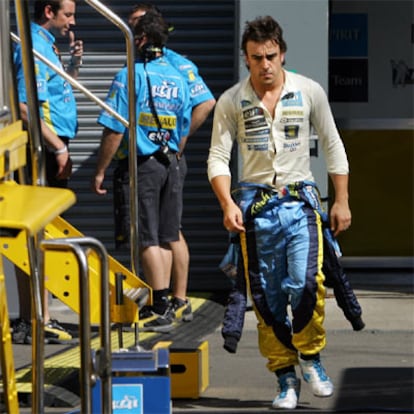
262 29
154 27
144 6
39 7
147 7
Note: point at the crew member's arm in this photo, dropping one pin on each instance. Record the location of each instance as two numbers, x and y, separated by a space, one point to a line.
54 143
340 214
109 144
198 116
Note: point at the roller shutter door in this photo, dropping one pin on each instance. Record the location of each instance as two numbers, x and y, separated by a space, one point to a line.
205 32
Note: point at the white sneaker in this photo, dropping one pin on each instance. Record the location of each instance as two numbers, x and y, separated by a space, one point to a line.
288 392
314 374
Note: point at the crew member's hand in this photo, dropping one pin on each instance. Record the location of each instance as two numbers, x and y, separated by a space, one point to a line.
233 218
64 163
75 50
340 217
96 184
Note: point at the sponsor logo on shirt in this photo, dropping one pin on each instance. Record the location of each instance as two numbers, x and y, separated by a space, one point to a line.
291 146
254 118
255 140
256 128
159 137
167 90
191 76
252 112
254 123
291 120
258 147
292 99
36 68
115 87
290 116
259 132
292 112
197 89
291 131
148 120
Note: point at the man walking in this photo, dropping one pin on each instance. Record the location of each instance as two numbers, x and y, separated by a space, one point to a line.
275 207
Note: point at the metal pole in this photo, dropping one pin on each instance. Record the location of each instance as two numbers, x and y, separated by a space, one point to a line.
38 164
38 335
85 330
104 361
133 186
75 84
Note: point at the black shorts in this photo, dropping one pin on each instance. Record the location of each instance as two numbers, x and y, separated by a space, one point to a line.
159 202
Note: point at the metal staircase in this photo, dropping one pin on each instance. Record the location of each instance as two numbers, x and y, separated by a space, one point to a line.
37 240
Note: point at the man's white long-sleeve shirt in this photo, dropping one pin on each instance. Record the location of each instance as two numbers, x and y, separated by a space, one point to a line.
275 151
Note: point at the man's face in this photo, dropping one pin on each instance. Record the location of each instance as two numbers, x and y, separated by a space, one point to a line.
264 61
64 18
134 17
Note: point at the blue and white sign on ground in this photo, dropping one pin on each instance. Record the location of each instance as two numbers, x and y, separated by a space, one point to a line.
127 398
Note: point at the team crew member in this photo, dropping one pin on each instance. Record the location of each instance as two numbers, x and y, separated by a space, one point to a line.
58 121
270 114
202 103
163 120
57 102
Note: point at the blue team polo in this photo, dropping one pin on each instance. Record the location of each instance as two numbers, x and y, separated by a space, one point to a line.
199 91
171 97
55 94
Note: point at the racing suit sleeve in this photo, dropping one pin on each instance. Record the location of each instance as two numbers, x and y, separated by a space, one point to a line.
233 321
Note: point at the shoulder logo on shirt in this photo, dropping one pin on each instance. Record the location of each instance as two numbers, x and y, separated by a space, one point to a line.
245 103
292 99
191 76
115 87
184 67
197 89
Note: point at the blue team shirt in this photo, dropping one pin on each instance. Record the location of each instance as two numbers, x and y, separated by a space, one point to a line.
171 97
55 94
199 92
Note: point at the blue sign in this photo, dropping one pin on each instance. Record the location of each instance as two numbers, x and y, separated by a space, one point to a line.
348 35
127 398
